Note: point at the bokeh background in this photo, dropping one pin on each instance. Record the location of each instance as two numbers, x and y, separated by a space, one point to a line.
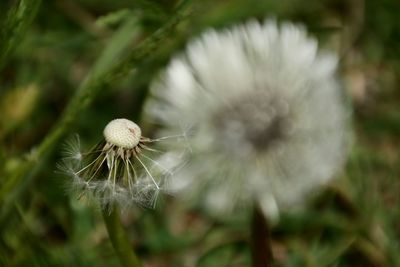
70 66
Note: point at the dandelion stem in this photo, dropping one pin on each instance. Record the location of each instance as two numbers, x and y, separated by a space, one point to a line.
119 238
260 239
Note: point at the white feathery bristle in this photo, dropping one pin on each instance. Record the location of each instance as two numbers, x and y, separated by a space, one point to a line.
72 149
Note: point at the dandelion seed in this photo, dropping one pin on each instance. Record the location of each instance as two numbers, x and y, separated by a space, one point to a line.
116 170
72 149
269 120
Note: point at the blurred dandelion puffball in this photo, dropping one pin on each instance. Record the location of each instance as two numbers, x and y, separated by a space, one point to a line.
267 116
118 170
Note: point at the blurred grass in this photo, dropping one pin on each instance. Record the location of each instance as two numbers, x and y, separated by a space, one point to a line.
71 66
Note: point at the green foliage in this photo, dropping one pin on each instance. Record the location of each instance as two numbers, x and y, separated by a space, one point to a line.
71 66
16 22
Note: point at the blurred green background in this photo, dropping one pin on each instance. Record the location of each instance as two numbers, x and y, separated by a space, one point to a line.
71 66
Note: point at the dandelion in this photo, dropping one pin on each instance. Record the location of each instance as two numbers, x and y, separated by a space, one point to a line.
268 117
117 170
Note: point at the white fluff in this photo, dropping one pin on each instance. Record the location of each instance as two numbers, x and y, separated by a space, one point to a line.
232 87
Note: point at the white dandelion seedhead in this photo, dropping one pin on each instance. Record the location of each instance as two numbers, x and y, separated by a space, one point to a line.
268 117
120 170
123 133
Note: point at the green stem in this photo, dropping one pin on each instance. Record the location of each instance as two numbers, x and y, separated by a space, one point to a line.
260 239
119 239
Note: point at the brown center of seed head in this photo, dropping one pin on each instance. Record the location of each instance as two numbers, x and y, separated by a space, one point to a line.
257 120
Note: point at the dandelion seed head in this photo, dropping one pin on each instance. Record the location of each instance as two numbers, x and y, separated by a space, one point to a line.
122 133
121 169
273 125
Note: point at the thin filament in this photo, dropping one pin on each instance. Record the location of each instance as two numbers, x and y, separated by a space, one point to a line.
166 137
158 164
98 168
148 172
89 164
